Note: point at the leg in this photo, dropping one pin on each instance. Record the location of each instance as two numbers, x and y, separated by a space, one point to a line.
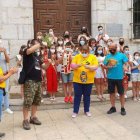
34 110
77 97
102 88
134 89
97 85
1 98
86 96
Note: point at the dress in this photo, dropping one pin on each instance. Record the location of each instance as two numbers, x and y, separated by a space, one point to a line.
51 75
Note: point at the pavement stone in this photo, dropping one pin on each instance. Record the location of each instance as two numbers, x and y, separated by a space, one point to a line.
57 124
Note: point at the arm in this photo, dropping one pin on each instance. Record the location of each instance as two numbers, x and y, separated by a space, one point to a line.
5 77
33 49
91 68
75 66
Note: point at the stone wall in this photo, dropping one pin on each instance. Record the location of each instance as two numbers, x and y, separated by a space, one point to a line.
16 24
117 13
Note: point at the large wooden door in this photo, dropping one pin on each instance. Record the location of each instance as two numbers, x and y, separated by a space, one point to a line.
62 15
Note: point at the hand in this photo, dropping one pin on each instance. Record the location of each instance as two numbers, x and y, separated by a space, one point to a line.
139 67
49 60
79 65
2 49
87 66
13 70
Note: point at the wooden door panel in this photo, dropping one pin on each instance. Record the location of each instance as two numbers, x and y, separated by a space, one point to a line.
62 15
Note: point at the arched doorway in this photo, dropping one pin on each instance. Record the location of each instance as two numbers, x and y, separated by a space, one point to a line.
62 15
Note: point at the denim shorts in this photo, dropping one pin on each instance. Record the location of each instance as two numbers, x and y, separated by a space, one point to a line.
66 78
1 99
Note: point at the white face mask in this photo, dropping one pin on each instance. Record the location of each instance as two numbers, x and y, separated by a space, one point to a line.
51 33
100 32
136 57
60 42
52 50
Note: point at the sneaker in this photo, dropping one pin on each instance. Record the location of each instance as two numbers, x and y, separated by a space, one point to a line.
35 121
123 112
9 111
74 115
2 135
26 125
125 96
66 99
88 114
70 99
111 110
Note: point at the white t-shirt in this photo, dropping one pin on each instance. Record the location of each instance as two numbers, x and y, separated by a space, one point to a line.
102 42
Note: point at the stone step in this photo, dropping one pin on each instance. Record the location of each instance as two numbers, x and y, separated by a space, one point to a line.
16 104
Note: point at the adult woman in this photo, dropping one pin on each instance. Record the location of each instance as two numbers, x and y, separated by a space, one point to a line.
84 66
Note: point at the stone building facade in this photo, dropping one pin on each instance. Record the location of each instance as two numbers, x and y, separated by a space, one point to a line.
17 26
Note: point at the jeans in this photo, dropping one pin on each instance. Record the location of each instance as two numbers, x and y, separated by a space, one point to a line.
1 98
6 97
79 90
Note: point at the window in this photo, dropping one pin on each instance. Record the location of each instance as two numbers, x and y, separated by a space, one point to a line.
136 19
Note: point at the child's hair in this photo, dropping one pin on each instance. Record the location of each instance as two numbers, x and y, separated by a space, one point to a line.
90 40
136 53
125 47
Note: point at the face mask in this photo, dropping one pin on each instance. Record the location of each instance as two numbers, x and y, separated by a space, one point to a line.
136 57
121 42
84 54
62 51
51 33
126 52
60 42
113 51
100 32
68 49
66 36
82 42
52 50
39 37
100 52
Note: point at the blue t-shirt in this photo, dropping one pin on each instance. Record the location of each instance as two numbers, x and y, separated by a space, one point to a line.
116 72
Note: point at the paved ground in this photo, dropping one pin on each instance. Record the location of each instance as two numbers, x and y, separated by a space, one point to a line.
58 125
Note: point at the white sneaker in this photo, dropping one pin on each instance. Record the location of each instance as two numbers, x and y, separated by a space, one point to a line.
88 114
8 110
125 96
135 99
74 115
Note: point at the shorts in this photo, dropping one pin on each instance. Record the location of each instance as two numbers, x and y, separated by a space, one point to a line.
32 93
99 73
112 83
66 78
135 77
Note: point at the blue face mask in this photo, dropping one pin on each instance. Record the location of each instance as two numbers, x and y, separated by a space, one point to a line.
126 52
100 52
84 54
68 49
82 42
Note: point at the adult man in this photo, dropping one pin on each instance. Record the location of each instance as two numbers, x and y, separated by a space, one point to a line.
32 85
3 78
114 63
101 38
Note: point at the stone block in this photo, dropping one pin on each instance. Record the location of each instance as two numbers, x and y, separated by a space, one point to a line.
15 46
113 4
26 3
10 3
93 5
101 5
4 16
9 31
22 16
25 31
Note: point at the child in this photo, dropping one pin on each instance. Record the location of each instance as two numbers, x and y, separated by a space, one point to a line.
67 73
100 73
51 74
135 70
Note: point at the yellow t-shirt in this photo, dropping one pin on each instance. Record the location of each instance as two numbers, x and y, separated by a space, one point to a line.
83 75
2 84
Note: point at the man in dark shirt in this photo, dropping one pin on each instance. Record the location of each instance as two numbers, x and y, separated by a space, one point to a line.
32 86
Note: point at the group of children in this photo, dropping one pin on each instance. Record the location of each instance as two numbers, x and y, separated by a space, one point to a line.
57 57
